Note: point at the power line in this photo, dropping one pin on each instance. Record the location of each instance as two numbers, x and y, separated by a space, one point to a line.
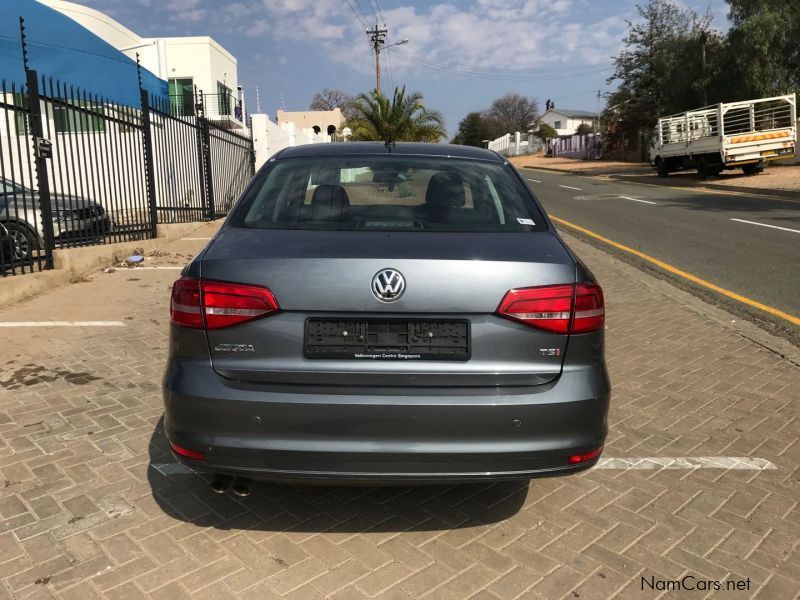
357 16
374 12
389 68
378 6
361 10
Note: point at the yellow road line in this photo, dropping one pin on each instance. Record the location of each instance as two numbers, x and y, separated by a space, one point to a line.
676 271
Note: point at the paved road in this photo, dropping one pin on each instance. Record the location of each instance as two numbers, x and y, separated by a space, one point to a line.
701 232
93 506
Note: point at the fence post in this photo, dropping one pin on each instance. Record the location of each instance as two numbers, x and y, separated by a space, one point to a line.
205 134
43 150
149 166
252 152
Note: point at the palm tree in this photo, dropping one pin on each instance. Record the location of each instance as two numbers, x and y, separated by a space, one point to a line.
403 118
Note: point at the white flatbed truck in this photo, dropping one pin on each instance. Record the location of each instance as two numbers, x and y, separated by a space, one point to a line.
731 135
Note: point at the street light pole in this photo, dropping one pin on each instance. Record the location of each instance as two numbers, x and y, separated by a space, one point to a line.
377 38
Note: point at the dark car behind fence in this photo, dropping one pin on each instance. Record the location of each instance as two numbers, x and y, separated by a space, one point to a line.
77 169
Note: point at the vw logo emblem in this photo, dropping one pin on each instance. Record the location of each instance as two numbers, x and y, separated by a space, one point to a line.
388 285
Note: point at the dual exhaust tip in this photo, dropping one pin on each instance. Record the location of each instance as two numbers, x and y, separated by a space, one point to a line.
238 485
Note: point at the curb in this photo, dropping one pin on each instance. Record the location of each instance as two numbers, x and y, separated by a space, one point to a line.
723 314
71 263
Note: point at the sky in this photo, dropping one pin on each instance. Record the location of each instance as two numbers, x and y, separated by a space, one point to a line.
461 54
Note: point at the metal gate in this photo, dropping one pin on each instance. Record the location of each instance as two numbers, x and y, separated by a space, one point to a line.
77 169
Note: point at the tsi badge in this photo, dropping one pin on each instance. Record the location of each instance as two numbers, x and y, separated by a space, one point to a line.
550 351
234 348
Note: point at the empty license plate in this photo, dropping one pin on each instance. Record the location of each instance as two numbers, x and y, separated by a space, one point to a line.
387 339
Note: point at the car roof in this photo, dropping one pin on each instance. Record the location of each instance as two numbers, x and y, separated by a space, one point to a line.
403 148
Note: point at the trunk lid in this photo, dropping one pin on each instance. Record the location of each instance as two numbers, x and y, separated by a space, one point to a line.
328 274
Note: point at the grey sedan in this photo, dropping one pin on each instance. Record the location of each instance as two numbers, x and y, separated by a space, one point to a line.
75 220
369 313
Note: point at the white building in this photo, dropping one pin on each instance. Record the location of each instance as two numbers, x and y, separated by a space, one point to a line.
326 122
185 62
566 122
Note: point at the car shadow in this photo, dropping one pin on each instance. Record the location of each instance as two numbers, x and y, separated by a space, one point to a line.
188 497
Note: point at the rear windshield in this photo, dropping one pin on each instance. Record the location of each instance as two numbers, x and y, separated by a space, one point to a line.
388 193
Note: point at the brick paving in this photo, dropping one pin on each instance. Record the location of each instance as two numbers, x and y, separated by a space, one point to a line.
91 508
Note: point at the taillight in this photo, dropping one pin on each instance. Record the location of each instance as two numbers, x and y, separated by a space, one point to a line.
216 304
185 309
556 308
590 311
586 456
193 454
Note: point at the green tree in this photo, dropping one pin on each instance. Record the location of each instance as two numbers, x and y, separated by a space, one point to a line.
329 99
584 128
545 132
401 118
763 47
472 130
660 70
512 112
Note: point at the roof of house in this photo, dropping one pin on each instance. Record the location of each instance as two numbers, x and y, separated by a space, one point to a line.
577 114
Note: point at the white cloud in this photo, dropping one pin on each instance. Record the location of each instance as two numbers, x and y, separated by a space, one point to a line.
500 34
482 34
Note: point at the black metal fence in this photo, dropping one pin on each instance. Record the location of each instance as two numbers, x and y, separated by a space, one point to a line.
77 169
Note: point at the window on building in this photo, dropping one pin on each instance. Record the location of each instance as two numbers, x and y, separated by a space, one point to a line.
181 96
557 125
224 96
83 117
20 101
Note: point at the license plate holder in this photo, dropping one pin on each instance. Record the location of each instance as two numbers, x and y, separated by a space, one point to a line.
387 339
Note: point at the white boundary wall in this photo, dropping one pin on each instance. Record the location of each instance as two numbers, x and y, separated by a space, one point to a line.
269 137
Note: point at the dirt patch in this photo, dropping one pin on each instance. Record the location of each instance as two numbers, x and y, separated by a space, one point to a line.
588 167
31 374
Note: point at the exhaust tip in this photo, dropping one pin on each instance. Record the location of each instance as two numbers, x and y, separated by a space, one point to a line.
241 488
220 483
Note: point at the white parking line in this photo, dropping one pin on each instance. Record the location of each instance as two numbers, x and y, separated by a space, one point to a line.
172 468
638 200
153 269
62 324
569 187
621 464
534 180
687 462
765 225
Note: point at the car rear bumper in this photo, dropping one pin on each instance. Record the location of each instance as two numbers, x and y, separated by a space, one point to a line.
386 435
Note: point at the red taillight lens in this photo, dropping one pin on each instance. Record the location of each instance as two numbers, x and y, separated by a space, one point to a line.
548 307
194 454
590 312
586 456
185 309
556 308
217 304
227 304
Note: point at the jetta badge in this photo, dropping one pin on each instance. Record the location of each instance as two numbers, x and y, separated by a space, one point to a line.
388 285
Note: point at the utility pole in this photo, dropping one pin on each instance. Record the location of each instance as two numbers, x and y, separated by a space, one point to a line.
377 37
597 129
703 43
